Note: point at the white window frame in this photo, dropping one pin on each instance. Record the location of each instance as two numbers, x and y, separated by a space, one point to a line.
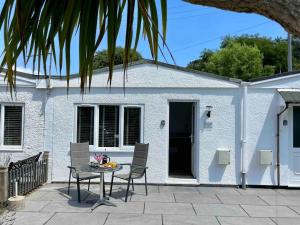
11 147
122 124
122 147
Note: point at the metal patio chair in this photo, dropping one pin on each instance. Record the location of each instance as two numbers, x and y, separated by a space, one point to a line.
137 168
80 156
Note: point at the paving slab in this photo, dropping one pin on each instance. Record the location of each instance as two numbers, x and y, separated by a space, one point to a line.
34 206
32 218
61 194
116 196
96 187
286 221
281 200
258 191
189 220
245 221
194 205
66 206
289 192
241 199
218 190
269 211
36 195
196 198
219 210
77 219
169 208
153 197
129 207
295 208
55 186
133 219
140 189
163 189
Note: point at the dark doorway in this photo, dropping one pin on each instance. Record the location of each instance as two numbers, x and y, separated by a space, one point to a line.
181 136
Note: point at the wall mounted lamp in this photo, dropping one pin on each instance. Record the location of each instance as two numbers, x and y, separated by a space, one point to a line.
162 123
208 110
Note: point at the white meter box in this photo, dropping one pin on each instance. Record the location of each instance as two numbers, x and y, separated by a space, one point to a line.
223 156
265 157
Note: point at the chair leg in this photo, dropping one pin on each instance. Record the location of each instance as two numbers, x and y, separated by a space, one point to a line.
111 183
132 184
69 183
128 184
146 183
78 190
104 194
89 184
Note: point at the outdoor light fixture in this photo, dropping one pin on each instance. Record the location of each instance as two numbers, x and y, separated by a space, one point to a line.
162 123
208 110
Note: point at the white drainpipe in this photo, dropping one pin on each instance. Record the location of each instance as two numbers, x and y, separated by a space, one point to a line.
244 134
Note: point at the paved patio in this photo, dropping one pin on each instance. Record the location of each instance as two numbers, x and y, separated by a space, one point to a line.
165 205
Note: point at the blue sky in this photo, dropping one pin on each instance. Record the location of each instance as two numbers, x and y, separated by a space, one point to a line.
191 29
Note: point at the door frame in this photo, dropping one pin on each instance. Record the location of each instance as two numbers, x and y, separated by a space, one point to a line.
292 182
195 149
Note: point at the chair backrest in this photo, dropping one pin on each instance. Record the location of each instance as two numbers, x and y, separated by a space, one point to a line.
140 156
80 154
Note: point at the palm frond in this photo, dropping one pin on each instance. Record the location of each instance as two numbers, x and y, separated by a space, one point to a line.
35 28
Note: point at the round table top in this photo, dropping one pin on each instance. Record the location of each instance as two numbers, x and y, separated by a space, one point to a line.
89 168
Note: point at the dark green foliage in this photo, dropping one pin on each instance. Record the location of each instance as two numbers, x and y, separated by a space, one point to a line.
101 59
199 64
236 60
273 60
274 51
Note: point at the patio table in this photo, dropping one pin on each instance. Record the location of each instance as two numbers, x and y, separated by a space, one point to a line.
102 200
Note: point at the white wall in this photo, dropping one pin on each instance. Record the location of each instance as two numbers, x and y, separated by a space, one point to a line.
34 112
153 87
223 134
263 106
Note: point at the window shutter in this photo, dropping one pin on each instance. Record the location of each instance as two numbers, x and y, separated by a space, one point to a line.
13 125
108 126
132 125
85 125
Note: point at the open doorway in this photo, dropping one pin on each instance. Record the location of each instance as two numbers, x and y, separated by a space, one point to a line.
181 139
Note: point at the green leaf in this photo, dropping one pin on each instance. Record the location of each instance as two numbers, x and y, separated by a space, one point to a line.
44 29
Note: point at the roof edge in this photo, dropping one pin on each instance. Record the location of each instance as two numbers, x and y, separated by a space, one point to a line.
278 75
135 63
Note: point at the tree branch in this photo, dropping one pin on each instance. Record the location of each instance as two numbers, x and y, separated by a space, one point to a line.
285 12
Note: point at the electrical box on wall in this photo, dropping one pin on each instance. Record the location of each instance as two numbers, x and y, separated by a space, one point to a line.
265 157
223 156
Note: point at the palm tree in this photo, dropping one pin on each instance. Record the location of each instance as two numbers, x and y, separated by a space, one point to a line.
31 28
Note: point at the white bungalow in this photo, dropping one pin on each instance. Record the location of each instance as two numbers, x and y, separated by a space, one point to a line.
202 128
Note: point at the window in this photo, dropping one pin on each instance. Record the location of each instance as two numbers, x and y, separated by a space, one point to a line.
85 125
132 125
296 127
108 126
12 125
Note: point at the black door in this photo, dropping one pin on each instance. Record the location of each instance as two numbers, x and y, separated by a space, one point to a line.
180 139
